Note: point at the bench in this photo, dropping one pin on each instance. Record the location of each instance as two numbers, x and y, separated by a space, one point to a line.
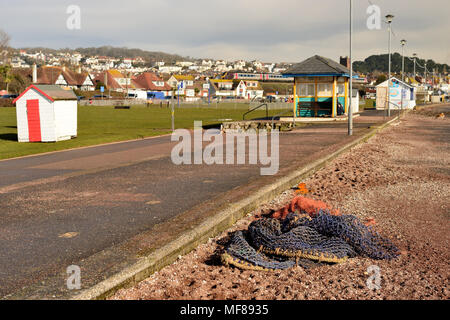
314 106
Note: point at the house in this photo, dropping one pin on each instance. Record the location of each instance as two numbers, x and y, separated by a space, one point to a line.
169 69
254 89
114 80
63 77
155 86
321 88
222 88
176 79
236 88
46 113
402 95
184 85
184 63
202 89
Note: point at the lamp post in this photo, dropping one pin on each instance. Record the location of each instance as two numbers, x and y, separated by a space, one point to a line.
172 111
389 19
350 111
403 42
415 57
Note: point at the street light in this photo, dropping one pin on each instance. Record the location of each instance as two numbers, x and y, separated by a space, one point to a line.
389 19
403 42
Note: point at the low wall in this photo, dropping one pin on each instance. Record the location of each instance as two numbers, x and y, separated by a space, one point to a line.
112 102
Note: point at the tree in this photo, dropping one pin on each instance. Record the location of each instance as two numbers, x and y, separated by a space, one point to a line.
7 77
99 84
381 78
4 44
19 82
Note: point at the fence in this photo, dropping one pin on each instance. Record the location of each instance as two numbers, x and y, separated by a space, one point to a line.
236 104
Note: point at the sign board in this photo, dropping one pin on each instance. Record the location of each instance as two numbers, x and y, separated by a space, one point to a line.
102 89
206 86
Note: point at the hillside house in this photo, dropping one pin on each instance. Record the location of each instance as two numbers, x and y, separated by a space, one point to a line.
114 80
155 86
63 77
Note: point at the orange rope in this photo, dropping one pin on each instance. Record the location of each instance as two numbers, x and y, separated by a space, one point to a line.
304 205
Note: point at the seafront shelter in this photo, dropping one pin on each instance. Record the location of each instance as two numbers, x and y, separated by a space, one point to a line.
321 87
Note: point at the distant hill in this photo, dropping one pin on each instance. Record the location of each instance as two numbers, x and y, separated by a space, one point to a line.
116 52
380 63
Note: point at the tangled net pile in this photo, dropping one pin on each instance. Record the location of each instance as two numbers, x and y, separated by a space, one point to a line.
305 233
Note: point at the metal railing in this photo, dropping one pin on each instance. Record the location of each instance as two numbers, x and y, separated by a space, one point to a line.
253 109
399 108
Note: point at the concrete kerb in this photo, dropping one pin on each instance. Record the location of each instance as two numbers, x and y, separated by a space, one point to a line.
211 227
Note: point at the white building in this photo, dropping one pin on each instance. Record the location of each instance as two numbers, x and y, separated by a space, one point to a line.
169 69
397 90
46 113
184 63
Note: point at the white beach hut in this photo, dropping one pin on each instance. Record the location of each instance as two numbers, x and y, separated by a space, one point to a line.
46 113
400 92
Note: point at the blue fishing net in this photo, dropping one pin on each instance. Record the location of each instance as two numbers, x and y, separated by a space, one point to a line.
301 240
243 254
363 239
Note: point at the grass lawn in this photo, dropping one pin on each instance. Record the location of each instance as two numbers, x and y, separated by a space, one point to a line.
368 104
98 125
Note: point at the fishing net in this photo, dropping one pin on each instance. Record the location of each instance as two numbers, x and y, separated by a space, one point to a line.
304 237
300 241
364 239
241 253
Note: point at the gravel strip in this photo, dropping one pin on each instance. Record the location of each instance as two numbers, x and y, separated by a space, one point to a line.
400 178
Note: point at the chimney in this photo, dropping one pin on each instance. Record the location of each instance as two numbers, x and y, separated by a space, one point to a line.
345 61
79 70
34 73
64 68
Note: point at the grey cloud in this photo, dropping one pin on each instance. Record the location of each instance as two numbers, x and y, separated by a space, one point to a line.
284 30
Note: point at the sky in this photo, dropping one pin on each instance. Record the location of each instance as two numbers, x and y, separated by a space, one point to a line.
269 31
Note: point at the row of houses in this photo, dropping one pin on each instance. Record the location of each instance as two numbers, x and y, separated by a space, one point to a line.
147 85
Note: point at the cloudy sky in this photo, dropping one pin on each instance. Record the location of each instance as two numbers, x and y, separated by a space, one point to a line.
282 30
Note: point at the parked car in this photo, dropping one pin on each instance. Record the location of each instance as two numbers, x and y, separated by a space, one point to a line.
9 96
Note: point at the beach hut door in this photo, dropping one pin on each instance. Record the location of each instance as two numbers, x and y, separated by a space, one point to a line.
34 120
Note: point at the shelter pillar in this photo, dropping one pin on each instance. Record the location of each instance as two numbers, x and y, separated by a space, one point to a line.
334 107
295 98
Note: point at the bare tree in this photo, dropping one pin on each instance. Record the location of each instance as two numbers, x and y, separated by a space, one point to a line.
4 44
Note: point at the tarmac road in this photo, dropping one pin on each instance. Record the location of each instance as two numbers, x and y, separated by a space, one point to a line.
76 206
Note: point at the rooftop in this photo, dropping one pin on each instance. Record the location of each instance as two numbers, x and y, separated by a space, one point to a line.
317 66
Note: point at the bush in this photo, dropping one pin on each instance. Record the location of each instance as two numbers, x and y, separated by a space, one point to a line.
6 103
